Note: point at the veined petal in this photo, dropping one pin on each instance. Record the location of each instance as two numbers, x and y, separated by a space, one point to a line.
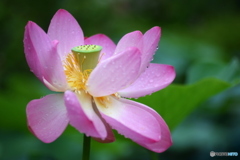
49 62
65 29
155 77
150 43
31 54
110 136
130 120
47 117
166 141
114 73
82 115
102 40
132 39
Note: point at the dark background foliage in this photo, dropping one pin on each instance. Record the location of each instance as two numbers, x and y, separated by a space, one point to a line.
200 38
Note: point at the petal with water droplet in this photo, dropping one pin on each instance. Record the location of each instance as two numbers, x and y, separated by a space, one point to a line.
82 115
44 51
133 120
148 82
132 39
65 29
100 83
150 42
31 54
47 117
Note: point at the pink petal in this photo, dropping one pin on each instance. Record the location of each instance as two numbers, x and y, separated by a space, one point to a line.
31 54
155 77
130 120
133 39
114 73
110 136
166 141
44 51
82 115
104 41
150 43
66 30
47 117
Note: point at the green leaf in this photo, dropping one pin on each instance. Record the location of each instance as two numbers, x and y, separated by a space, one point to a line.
176 102
224 71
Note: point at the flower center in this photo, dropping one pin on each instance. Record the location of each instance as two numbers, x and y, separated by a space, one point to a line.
79 64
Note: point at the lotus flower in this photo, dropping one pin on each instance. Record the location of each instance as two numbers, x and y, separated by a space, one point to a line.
93 76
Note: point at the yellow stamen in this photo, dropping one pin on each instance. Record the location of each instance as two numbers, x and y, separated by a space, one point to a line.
76 78
103 101
78 66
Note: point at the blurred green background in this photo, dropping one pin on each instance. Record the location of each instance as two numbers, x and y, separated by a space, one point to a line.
200 38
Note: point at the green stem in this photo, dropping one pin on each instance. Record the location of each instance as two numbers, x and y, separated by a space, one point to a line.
154 156
86 147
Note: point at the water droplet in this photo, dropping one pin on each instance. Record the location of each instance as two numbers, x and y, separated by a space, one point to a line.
67 98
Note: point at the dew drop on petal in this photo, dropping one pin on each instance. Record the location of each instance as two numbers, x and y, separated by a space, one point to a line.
67 98
55 82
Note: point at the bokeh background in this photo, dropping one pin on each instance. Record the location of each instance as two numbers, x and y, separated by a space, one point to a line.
201 39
